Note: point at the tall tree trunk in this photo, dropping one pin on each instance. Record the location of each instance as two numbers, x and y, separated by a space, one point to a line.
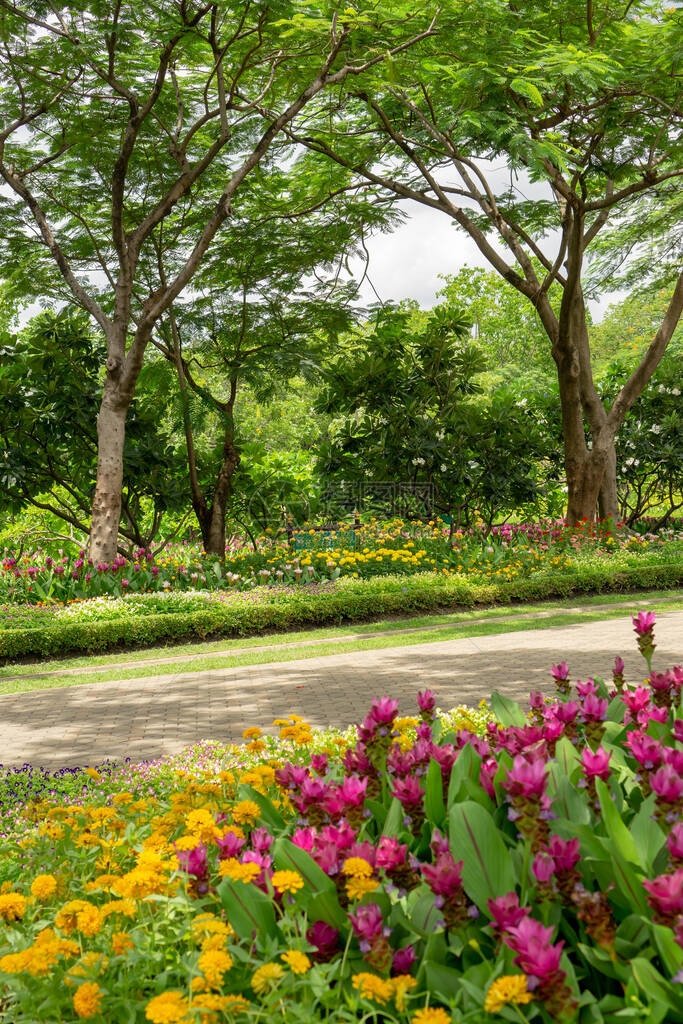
106 508
214 541
608 501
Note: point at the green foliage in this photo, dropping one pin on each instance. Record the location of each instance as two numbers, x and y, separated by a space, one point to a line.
50 383
410 411
354 601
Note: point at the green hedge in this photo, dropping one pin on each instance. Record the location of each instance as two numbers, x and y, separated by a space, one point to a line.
355 602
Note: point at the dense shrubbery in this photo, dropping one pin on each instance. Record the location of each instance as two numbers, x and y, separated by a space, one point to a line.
423 873
103 624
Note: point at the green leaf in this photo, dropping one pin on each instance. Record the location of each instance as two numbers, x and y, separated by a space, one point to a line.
435 807
525 88
394 818
487 867
319 892
616 828
507 711
250 911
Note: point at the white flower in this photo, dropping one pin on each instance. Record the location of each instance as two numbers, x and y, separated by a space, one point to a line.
443 468
675 391
656 429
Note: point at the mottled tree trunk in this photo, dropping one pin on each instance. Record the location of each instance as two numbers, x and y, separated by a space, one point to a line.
106 508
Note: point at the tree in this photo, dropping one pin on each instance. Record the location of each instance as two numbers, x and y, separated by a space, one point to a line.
506 325
582 103
121 126
49 391
256 320
413 433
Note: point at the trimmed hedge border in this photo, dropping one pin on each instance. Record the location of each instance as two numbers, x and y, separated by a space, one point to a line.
359 601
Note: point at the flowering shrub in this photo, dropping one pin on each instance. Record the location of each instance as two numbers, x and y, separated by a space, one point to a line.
426 873
397 547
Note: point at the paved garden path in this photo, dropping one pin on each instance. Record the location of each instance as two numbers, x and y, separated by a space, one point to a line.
148 717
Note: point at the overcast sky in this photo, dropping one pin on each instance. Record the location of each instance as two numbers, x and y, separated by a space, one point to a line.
406 264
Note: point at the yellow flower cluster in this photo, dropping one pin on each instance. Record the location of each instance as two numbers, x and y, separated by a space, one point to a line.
510 988
382 990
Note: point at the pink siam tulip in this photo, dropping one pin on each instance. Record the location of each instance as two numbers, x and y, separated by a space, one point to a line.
403 960
195 863
587 689
644 625
665 896
543 870
369 928
325 939
506 913
526 788
674 842
662 684
618 673
444 878
426 703
540 961
667 785
560 674
566 854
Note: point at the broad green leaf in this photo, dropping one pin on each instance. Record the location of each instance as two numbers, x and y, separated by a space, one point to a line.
250 911
487 867
435 808
507 711
318 886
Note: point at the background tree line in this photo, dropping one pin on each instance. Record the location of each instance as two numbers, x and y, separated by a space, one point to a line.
196 180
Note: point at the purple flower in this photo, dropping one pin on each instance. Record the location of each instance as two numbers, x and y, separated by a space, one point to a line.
325 939
526 778
367 923
665 896
403 960
383 711
647 751
674 841
409 792
390 853
594 709
444 877
426 701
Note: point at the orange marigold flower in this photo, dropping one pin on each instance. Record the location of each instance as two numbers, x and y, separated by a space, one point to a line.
246 811
371 986
510 988
168 1008
431 1015
87 1000
43 887
231 868
120 942
12 906
297 961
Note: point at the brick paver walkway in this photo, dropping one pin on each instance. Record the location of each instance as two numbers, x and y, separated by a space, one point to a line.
146 718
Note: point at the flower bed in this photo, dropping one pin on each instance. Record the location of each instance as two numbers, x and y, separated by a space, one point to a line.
376 549
106 623
424 873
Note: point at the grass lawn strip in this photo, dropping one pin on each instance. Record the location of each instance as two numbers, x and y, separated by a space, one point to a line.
191 653
385 640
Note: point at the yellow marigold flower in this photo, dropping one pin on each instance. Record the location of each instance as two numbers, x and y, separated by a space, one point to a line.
287 881
231 868
266 977
168 1008
297 961
357 888
431 1015
246 811
510 988
87 1000
120 799
213 964
12 906
120 942
43 887
208 925
371 986
357 867
280 721
126 907
401 984
93 774
101 882
252 732
15 963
